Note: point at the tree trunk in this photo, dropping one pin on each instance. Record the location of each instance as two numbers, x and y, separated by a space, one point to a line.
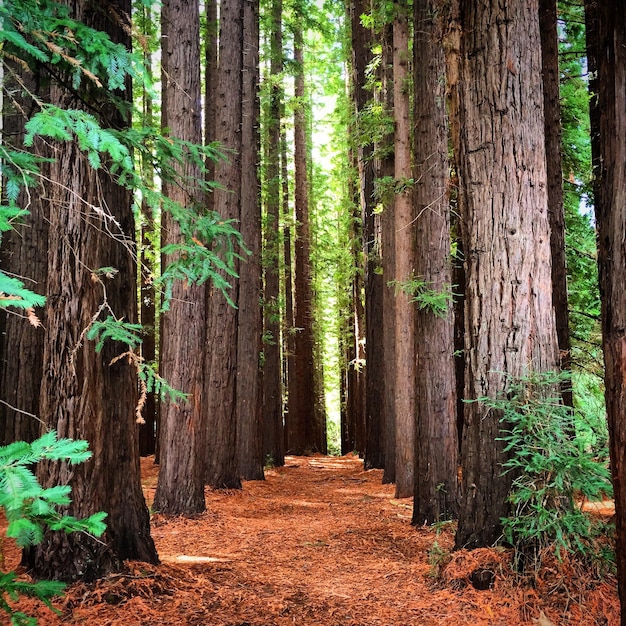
509 325
83 394
147 301
249 319
404 227
21 344
384 168
556 214
180 489
272 376
373 281
606 52
302 430
222 325
436 453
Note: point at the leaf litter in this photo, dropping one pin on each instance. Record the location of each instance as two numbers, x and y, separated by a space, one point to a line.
321 542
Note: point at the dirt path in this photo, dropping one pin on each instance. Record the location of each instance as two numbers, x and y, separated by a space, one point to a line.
319 542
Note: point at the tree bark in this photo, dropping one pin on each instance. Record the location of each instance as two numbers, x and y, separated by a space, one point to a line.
384 168
556 214
436 489
606 53
222 326
404 227
509 324
362 39
272 374
303 431
21 344
84 395
249 318
180 488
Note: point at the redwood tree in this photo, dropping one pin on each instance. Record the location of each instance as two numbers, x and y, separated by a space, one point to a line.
180 489
272 370
222 337
606 52
249 319
552 113
86 394
509 323
404 227
21 343
436 444
305 430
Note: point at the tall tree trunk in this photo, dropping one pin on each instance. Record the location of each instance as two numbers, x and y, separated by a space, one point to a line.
374 348
249 319
384 168
606 52
21 344
509 325
556 214
404 226
436 490
83 394
222 325
302 430
180 489
147 270
210 81
272 376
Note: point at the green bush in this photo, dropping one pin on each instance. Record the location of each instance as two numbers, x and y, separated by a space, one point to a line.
552 469
30 510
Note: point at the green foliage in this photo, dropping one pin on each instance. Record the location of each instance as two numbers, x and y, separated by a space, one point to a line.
421 292
14 294
552 470
115 330
30 510
149 376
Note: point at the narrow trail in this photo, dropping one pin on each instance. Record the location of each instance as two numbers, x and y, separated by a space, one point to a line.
319 542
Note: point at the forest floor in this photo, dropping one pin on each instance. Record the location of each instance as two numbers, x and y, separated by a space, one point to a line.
321 542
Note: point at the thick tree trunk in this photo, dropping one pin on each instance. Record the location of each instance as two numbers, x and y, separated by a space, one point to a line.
302 429
249 319
404 226
21 344
384 168
373 281
556 215
273 438
222 335
606 52
83 394
180 489
436 490
509 324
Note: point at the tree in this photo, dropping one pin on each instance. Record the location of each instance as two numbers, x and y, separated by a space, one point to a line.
222 470
509 325
436 444
180 488
86 393
606 46
404 225
305 430
272 372
362 41
20 380
249 391
556 214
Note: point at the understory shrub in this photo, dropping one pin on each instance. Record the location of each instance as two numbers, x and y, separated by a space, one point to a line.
554 471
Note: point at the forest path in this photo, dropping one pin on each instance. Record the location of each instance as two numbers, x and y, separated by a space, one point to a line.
319 542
